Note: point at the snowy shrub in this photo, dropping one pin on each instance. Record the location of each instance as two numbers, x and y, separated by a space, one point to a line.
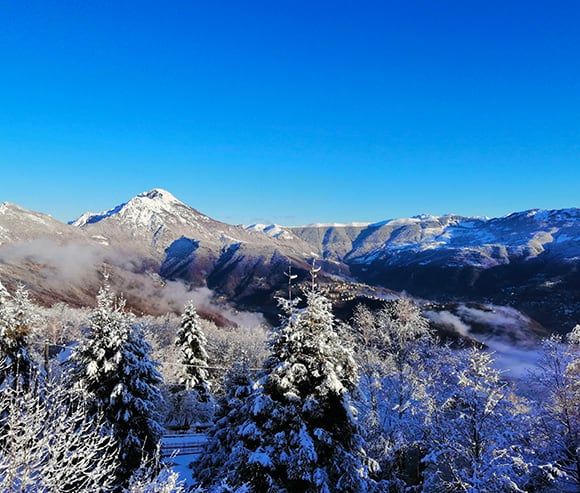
398 370
149 479
556 411
479 437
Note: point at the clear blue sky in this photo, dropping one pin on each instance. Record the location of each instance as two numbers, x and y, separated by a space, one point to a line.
291 111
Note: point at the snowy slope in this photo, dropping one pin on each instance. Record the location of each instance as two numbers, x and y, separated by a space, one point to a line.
450 239
50 258
182 243
19 224
529 260
273 230
156 218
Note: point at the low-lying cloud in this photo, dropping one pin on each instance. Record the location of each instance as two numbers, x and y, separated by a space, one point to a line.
70 261
509 336
450 320
72 265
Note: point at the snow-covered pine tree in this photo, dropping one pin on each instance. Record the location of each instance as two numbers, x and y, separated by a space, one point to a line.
16 318
192 343
112 370
226 454
301 433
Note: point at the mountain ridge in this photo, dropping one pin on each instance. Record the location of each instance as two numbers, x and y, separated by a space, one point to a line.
529 259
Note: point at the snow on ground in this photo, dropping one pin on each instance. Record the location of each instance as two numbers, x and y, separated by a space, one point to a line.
179 451
180 464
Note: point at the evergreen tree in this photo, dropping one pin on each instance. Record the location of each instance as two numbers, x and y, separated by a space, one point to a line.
226 454
113 371
192 343
16 320
300 432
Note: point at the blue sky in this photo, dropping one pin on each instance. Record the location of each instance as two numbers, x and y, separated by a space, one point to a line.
291 111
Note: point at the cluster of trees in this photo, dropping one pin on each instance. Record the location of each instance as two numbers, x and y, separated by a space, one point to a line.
378 405
393 411
294 428
91 426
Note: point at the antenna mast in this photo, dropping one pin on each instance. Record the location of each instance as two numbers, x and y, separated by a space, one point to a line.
290 277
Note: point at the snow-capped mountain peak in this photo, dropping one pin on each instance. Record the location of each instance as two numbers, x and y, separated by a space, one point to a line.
273 230
147 209
155 202
160 195
156 216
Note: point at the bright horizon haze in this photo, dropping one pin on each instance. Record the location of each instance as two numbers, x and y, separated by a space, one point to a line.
291 112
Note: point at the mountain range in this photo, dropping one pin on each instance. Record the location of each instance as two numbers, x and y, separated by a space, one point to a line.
158 248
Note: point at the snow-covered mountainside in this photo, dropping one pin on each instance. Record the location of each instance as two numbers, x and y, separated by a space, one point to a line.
20 224
156 218
151 235
529 260
47 256
182 243
451 240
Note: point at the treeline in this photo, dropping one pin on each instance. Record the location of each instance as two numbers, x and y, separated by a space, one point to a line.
376 405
